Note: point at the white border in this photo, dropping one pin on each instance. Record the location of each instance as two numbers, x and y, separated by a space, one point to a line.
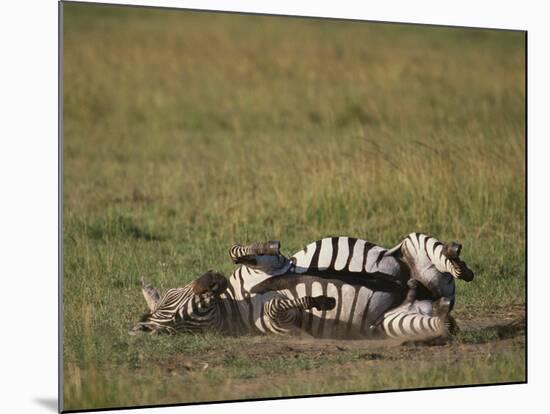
28 171
510 15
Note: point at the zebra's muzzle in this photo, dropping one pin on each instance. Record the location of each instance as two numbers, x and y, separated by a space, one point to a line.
465 273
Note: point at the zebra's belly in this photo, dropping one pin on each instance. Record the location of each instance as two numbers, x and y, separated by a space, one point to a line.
357 308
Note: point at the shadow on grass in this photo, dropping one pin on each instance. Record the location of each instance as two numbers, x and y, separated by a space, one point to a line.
490 333
119 226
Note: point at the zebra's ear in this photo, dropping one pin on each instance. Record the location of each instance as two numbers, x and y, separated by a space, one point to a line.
395 251
151 295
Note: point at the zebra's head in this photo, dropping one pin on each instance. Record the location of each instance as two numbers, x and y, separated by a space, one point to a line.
426 253
190 308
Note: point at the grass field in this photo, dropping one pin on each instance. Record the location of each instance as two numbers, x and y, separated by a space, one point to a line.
185 132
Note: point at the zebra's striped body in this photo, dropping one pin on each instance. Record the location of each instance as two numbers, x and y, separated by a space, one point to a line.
321 270
359 262
367 281
356 307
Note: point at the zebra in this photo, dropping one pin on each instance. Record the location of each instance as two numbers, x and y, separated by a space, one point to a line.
325 290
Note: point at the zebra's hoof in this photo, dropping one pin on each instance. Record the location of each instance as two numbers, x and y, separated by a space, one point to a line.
453 327
443 307
324 303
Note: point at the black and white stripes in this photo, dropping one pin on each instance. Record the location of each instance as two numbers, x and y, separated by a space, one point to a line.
405 323
339 254
434 264
422 248
192 309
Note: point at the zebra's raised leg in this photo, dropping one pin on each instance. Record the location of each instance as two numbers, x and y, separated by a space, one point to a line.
248 254
283 311
264 257
411 293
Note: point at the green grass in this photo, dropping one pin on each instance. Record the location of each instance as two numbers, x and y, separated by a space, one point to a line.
186 132
237 377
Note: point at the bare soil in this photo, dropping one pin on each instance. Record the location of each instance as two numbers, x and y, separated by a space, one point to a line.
498 331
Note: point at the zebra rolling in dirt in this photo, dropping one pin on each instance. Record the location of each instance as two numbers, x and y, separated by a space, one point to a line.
335 287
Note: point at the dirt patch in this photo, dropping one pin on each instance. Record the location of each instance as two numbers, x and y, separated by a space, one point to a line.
491 334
